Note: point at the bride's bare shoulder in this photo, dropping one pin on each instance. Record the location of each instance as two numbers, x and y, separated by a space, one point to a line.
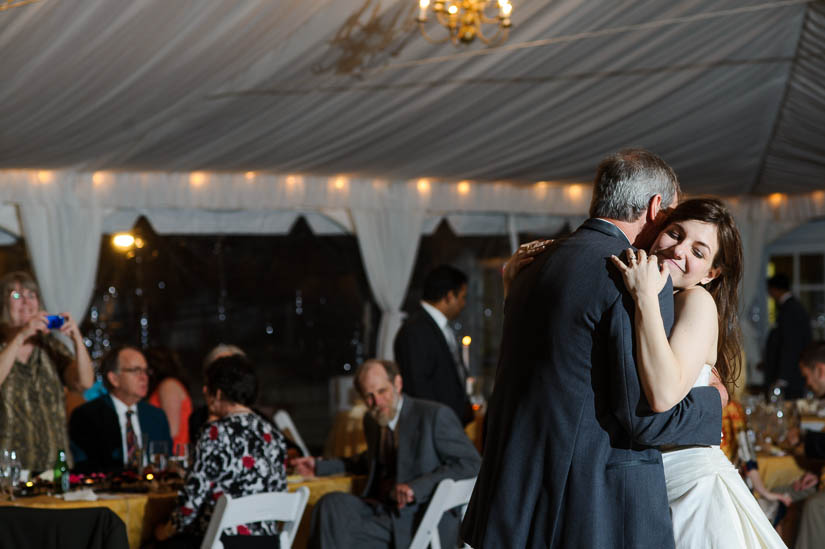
695 299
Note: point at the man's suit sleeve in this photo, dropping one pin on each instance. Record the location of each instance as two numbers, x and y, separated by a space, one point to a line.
697 419
355 465
459 458
814 445
84 438
417 366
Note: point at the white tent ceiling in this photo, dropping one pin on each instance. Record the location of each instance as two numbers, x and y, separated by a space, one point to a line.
730 92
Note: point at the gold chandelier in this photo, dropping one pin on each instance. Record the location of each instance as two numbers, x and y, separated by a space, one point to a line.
464 20
9 4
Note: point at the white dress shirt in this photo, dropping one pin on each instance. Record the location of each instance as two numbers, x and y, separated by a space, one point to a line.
442 322
120 410
394 421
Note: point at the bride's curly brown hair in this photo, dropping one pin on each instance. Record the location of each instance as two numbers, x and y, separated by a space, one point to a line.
725 287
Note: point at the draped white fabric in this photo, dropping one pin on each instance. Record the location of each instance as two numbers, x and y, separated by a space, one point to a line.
63 239
348 87
388 240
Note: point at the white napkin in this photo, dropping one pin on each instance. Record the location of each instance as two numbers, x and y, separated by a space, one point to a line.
84 494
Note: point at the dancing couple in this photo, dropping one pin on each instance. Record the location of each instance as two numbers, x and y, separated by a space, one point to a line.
612 362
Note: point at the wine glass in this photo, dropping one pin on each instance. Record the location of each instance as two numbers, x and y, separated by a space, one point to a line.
158 454
5 470
180 457
14 472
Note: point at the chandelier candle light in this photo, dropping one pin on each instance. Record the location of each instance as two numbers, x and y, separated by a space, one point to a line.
464 20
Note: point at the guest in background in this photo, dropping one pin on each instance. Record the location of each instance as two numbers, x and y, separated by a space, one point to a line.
787 340
168 392
107 432
812 444
34 365
426 347
412 445
200 415
239 454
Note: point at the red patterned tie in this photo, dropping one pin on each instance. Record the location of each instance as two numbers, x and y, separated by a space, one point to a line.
131 442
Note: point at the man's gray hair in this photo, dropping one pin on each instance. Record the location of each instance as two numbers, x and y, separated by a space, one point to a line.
627 180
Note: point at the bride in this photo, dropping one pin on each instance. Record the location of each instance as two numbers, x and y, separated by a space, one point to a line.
700 249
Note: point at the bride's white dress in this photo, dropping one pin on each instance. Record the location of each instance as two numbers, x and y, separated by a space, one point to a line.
710 504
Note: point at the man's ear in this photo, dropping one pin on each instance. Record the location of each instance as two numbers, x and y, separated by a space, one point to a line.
113 379
654 207
398 383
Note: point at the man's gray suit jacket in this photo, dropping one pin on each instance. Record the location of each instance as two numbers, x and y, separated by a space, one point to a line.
570 458
432 446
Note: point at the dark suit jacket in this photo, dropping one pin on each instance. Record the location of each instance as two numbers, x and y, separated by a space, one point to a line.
432 446
785 345
427 365
96 438
814 445
570 458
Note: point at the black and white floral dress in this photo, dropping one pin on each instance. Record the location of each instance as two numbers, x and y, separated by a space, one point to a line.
240 455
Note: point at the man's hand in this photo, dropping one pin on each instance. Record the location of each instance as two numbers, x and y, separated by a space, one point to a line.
805 481
304 466
716 383
403 494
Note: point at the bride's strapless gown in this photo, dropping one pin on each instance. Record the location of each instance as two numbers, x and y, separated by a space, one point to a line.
710 504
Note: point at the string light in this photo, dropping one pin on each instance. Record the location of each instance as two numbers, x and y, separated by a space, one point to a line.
249 176
776 199
123 241
196 179
574 191
464 187
340 183
98 178
45 176
423 185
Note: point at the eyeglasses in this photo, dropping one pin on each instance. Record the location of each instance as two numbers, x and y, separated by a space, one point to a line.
28 294
147 371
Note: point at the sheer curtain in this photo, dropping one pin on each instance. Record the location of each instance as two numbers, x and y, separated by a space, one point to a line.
388 240
63 239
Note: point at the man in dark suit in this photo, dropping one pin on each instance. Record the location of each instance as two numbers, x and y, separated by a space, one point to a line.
426 348
811 444
108 432
571 457
787 340
412 445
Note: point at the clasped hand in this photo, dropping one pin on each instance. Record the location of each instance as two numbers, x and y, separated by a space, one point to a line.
642 274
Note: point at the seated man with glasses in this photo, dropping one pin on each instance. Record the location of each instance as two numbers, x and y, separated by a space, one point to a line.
108 433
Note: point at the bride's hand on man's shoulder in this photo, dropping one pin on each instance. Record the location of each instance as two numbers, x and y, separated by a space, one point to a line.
642 274
525 255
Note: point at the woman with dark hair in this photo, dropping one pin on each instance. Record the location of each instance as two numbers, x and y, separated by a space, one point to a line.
168 392
34 366
238 454
701 251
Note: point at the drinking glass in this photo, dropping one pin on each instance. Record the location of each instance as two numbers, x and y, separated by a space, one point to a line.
158 454
5 471
180 457
14 472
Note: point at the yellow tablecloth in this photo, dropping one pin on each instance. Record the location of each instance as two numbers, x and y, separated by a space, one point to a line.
142 512
778 471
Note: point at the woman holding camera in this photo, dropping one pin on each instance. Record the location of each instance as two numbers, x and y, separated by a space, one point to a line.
34 366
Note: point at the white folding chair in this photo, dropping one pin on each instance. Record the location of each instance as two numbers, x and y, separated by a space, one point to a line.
448 494
284 422
280 506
